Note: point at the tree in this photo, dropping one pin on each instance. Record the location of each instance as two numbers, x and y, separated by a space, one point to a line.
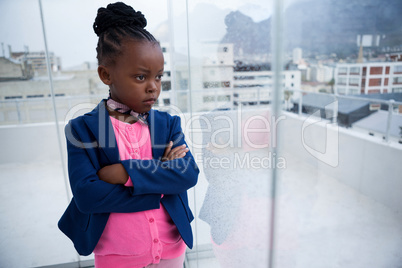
332 83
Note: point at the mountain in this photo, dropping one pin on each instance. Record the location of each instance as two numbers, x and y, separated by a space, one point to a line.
208 22
333 25
248 37
320 27
316 26
256 12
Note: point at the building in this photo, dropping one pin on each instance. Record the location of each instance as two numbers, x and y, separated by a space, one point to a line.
72 83
217 83
253 83
165 95
316 87
297 55
38 61
11 69
395 97
217 76
376 125
395 56
368 78
321 73
347 111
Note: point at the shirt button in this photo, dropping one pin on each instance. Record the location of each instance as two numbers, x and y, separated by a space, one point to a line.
157 258
129 128
156 240
151 220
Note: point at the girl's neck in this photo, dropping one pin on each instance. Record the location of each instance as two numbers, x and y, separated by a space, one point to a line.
124 113
126 118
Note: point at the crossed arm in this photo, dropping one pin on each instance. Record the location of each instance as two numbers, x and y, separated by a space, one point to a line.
117 174
101 189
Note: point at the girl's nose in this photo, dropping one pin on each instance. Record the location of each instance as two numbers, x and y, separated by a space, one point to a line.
152 87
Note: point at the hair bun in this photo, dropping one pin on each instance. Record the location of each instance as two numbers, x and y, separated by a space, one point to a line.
116 15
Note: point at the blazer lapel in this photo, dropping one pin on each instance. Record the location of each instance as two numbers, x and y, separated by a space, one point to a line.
157 133
99 123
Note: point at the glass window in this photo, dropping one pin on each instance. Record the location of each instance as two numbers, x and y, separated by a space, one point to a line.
166 85
343 70
342 80
334 149
35 191
398 80
398 69
353 91
224 98
354 81
318 163
354 70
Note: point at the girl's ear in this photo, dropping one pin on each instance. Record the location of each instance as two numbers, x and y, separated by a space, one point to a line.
104 75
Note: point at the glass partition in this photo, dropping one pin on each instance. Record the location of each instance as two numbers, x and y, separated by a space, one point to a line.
34 191
292 110
337 197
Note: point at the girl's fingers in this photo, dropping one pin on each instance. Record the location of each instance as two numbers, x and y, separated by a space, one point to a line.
178 152
178 148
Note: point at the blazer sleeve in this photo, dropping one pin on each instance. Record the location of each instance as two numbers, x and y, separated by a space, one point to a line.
169 177
91 194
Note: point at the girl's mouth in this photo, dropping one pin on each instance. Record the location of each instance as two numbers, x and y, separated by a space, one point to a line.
150 101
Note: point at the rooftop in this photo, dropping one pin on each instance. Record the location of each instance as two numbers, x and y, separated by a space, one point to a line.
378 122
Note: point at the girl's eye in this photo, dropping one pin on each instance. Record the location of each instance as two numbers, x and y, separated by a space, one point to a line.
140 77
159 77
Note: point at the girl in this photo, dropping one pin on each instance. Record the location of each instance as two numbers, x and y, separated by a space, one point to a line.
129 166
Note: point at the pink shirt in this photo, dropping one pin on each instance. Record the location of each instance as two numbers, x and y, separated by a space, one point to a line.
142 237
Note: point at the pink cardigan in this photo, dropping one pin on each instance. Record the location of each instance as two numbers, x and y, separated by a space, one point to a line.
139 238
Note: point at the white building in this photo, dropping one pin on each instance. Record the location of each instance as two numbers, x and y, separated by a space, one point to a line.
217 76
38 61
297 55
225 86
366 78
255 87
321 73
165 97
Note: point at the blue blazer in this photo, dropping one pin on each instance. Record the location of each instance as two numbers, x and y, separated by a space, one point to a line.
91 145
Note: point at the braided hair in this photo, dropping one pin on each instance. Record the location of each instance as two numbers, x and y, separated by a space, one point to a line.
113 25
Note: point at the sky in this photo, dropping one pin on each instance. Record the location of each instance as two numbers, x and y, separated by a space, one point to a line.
68 23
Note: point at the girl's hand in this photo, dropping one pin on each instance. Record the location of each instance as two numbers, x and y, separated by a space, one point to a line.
113 174
177 152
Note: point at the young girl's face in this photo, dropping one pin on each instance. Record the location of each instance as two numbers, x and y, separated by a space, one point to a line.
135 78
